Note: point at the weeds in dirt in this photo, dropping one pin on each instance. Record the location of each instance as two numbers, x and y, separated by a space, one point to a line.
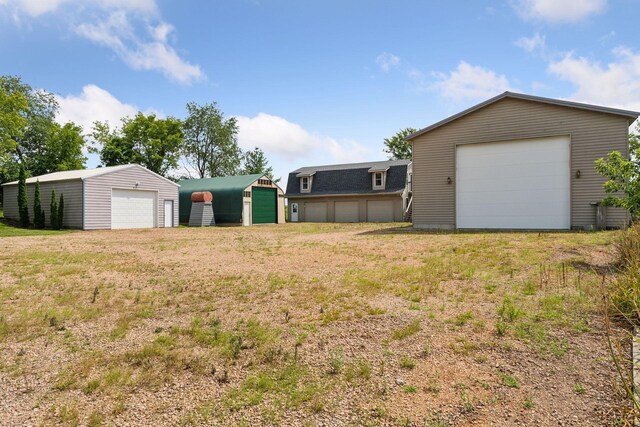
406 331
509 380
621 303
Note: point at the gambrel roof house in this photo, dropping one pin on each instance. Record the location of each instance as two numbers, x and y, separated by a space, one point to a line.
517 162
355 192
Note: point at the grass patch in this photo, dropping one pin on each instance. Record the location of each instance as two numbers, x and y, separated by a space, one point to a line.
509 380
7 229
410 329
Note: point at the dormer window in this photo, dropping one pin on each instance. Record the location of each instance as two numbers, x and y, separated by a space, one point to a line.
378 178
306 181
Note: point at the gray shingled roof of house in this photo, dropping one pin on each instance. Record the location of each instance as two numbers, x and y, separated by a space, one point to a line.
353 178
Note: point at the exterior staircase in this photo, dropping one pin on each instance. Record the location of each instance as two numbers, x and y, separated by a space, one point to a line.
408 212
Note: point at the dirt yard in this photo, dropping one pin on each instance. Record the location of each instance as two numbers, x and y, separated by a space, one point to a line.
305 325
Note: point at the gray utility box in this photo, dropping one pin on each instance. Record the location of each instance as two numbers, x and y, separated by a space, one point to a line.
201 215
601 215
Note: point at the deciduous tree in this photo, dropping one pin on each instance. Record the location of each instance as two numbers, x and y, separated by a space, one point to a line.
211 147
256 162
146 140
624 177
397 146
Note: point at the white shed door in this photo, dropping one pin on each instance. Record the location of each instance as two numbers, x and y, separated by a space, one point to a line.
523 184
380 211
133 209
315 212
347 212
168 213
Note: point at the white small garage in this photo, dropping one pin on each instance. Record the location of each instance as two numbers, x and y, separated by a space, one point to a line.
516 184
115 197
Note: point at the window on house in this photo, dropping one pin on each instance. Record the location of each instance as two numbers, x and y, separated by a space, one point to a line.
305 183
378 180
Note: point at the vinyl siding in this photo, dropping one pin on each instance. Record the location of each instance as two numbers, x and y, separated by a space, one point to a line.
98 195
593 135
72 191
362 208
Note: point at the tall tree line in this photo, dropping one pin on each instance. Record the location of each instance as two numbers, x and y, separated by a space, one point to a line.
30 136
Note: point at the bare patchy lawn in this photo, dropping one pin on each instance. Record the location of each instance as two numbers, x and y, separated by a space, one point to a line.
304 324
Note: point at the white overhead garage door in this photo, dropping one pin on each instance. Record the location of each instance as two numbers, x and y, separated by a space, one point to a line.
347 212
133 209
315 212
522 184
380 211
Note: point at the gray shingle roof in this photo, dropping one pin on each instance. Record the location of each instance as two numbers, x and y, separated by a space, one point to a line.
353 178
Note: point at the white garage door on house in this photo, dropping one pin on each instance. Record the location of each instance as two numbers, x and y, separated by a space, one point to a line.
315 212
347 212
520 184
133 209
380 211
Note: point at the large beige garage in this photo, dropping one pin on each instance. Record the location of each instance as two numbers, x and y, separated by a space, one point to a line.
356 192
517 162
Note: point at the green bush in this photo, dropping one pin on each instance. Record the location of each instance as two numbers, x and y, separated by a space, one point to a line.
60 218
23 202
53 210
38 212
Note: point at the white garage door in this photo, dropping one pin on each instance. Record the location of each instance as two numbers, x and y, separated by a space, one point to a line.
347 212
380 211
133 209
517 184
315 212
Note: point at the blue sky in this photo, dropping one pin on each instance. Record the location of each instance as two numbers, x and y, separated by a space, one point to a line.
318 82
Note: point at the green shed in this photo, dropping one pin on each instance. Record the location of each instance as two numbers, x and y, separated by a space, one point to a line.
239 199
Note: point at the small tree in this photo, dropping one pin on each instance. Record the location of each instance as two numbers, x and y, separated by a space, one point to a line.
23 202
624 177
38 212
397 146
256 162
53 210
60 218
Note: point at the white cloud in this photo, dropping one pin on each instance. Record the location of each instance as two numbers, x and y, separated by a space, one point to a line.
557 11
288 145
118 34
131 28
93 104
387 61
36 8
617 84
532 44
469 82
290 141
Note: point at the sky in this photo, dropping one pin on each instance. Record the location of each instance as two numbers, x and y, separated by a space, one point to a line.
318 82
